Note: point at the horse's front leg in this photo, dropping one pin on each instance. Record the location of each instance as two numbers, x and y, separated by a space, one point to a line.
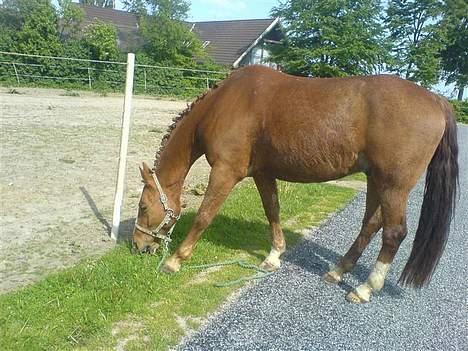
269 193
222 180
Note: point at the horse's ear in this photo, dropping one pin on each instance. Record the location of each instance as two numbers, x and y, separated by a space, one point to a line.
146 172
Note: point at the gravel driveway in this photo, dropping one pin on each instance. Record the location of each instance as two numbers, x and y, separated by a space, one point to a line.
295 310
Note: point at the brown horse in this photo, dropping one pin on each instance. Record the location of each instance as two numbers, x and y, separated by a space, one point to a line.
268 125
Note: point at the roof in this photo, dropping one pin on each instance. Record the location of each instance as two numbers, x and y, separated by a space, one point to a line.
228 40
121 19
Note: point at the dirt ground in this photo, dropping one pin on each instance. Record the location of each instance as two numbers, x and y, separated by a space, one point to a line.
58 164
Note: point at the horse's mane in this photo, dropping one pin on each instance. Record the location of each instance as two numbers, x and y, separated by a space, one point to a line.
175 122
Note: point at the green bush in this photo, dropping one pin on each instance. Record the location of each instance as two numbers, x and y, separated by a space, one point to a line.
461 110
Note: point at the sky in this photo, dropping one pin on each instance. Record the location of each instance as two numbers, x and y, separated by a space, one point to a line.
211 10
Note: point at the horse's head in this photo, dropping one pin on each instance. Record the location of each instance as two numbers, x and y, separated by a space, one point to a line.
155 219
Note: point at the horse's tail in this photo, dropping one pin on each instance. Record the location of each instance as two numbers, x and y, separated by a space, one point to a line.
437 210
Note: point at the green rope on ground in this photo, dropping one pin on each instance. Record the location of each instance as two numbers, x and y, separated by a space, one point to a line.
261 273
163 258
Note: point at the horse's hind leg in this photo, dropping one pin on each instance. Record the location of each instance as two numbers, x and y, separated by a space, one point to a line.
371 224
394 203
269 193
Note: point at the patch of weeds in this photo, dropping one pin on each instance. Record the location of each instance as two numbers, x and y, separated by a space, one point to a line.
198 189
14 92
71 93
155 130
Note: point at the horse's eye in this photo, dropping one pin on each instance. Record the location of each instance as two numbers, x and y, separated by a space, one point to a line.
143 207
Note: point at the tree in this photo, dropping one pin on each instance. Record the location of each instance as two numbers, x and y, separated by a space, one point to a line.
13 14
413 29
38 33
455 53
101 40
167 38
71 17
99 3
331 38
173 9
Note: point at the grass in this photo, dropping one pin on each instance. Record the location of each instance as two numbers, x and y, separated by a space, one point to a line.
120 299
357 176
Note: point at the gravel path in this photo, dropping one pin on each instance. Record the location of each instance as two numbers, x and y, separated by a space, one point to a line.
295 310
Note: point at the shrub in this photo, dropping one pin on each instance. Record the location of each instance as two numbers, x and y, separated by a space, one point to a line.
461 110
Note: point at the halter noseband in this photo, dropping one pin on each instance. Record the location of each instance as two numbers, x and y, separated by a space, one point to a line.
170 215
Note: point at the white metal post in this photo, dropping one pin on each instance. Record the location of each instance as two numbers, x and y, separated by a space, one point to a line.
123 146
16 72
89 78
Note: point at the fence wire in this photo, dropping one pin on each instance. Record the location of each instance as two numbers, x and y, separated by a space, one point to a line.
18 69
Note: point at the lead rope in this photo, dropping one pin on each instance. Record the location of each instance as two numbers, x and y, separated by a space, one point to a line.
261 273
167 240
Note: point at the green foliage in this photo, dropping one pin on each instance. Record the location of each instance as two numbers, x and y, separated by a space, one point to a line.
455 53
175 82
39 33
101 39
173 9
331 38
33 26
82 307
99 3
412 25
461 109
167 40
71 17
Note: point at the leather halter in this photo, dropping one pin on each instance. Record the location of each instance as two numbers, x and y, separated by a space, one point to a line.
170 215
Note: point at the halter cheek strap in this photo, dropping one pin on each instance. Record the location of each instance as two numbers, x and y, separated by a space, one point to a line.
169 216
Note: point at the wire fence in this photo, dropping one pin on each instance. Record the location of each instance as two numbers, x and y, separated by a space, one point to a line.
17 69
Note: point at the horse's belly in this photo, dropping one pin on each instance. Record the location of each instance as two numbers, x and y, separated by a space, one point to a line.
313 165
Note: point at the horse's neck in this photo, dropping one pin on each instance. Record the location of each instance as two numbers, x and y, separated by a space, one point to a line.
176 159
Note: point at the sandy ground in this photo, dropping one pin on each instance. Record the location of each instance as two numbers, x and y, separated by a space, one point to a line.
58 164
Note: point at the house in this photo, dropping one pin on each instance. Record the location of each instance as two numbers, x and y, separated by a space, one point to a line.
233 43
240 42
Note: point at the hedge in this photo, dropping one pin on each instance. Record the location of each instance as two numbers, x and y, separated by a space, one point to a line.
461 110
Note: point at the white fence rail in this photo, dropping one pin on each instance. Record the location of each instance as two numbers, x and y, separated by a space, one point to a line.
68 72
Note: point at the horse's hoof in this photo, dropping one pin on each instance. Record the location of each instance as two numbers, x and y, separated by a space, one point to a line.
355 298
270 266
170 266
332 277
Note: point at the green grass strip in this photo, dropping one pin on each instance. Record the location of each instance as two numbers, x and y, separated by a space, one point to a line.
120 299
357 176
